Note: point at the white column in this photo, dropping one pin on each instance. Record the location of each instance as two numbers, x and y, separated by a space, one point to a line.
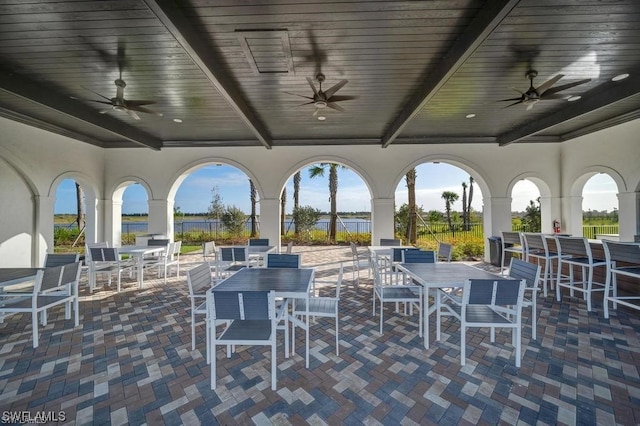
382 219
628 215
43 229
113 222
161 218
496 218
571 222
270 221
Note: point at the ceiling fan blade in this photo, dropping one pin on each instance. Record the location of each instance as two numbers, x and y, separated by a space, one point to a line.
133 114
295 94
519 91
335 106
341 98
530 105
138 102
557 89
92 100
95 93
315 113
329 92
306 103
315 91
515 103
547 84
143 109
511 99
104 111
553 96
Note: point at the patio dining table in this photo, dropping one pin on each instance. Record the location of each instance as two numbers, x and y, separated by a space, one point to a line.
138 253
440 275
287 283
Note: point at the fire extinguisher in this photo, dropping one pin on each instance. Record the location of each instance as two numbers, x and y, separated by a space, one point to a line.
556 227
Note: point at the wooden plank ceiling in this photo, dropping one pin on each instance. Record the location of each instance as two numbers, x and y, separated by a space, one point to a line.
229 73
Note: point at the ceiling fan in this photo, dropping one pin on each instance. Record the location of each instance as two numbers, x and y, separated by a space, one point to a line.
119 103
323 99
543 92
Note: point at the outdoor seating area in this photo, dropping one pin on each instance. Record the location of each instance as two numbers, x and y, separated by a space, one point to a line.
130 360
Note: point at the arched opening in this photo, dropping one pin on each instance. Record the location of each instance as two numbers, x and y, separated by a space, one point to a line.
448 208
69 216
325 201
600 207
134 212
526 207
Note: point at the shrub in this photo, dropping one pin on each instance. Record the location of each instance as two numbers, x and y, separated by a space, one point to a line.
234 220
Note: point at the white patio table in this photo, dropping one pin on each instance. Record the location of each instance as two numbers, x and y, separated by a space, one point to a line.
138 253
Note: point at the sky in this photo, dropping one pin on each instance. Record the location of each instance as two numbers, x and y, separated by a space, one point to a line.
195 193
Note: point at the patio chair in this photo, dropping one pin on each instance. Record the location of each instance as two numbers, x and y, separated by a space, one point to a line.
419 256
53 286
390 242
576 252
359 260
109 262
230 260
92 267
252 321
622 259
168 259
199 280
209 253
407 294
257 259
512 244
58 259
487 304
445 251
320 306
530 273
282 260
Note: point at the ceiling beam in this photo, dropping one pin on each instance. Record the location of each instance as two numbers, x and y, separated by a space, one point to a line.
482 25
35 92
599 98
204 57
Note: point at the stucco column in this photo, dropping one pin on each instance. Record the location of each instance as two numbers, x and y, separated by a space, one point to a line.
382 219
571 222
629 215
497 218
113 222
43 235
270 221
161 218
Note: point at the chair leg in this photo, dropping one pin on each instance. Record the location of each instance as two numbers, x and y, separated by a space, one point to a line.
34 325
274 370
534 324
381 316
337 340
463 337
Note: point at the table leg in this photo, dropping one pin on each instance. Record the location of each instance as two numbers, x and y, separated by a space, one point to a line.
425 308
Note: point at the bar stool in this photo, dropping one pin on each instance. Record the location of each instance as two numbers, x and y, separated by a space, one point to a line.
536 247
511 243
576 251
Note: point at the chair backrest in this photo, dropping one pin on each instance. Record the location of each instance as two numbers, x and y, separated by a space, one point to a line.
158 242
616 251
233 254
535 241
88 246
290 247
104 254
574 246
275 260
529 272
511 238
498 292
57 277
57 259
209 249
168 253
390 242
354 249
177 246
258 241
199 278
241 305
396 253
444 252
419 256
339 280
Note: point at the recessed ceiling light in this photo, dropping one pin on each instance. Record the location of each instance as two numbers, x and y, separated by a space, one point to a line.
620 77
470 115
574 98
177 120
322 117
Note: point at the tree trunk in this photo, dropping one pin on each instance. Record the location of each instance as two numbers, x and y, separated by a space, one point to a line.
412 225
465 217
254 197
80 210
283 206
333 192
296 198
469 201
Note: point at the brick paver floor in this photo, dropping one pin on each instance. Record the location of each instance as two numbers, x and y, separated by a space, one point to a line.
130 362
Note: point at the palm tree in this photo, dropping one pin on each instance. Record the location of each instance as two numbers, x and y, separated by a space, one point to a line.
296 198
469 201
465 219
80 210
254 200
449 198
283 205
412 226
318 170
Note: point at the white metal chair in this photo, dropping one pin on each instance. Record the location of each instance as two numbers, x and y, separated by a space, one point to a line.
199 280
320 306
486 304
108 262
359 260
257 259
445 251
622 259
530 273
92 266
576 252
209 253
511 243
408 294
58 259
230 260
537 247
53 286
282 260
252 321
170 258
